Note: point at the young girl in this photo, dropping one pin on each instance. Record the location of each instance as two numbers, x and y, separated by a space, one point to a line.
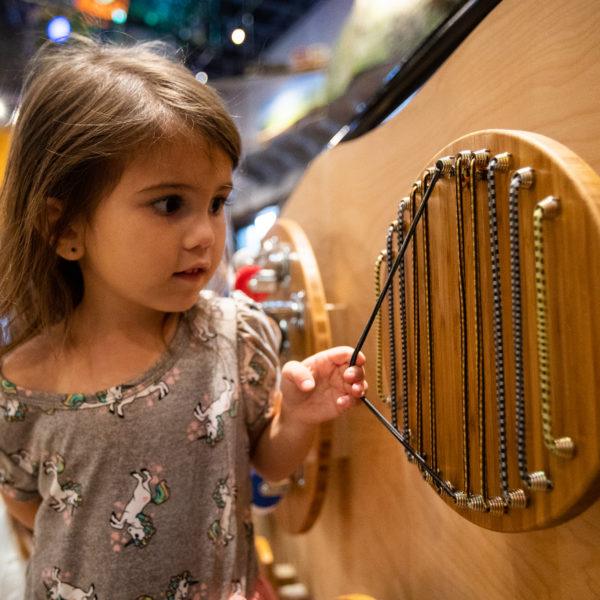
131 406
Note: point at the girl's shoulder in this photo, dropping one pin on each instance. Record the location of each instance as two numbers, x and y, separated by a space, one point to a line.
245 317
212 307
33 364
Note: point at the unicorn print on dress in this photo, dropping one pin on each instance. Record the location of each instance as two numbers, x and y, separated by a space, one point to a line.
116 397
253 370
139 525
60 590
64 496
204 330
212 416
179 586
12 408
224 497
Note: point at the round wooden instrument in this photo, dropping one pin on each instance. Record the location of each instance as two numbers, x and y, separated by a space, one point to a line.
491 335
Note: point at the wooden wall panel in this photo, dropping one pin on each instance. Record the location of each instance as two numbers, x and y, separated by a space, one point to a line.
532 66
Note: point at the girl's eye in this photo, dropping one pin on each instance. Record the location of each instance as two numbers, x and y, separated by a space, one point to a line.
217 204
168 205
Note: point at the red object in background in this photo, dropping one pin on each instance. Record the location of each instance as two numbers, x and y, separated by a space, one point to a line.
242 278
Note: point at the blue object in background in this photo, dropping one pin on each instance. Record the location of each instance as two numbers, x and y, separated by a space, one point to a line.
261 502
59 29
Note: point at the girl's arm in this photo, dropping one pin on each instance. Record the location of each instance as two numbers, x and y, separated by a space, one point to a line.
281 448
316 390
23 512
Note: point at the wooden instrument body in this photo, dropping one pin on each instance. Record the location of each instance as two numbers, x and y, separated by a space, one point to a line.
301 503
382 530
571 251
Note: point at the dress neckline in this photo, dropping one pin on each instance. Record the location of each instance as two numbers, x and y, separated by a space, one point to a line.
127 388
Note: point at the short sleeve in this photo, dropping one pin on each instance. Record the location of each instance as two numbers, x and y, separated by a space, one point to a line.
18 466
258 342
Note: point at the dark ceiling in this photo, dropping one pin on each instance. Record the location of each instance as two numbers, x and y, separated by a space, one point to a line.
201 27
264 20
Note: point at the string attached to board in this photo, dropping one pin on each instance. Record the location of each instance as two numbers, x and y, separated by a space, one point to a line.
420 460
489 328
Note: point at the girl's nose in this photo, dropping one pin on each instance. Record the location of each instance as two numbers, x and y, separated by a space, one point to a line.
200 233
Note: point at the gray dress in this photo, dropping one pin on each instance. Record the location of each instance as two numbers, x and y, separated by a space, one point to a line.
145 486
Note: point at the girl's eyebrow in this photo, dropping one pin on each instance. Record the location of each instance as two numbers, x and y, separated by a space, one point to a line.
175 185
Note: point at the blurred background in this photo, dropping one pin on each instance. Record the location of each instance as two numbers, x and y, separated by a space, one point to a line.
294 73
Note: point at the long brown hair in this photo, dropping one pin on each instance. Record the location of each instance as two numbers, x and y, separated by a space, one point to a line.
86 108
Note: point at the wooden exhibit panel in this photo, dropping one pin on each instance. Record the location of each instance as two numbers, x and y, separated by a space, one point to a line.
300 283
486 427
382 531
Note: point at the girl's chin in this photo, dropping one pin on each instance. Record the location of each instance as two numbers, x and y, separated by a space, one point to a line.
184 303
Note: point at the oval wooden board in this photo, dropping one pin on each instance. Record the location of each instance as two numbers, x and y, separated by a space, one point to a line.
572 255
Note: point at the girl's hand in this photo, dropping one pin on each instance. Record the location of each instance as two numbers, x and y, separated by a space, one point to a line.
322 386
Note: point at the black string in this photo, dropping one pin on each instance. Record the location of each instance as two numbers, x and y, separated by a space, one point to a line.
401 252
409 234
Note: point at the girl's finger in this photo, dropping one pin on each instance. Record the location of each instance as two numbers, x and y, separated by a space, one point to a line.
299 374
353 374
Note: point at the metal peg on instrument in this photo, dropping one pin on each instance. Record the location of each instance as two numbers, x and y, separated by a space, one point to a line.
564 447
527 176
482 158
497 505
517 499
478 503
446 166
461 499
550 206
538 481
503 160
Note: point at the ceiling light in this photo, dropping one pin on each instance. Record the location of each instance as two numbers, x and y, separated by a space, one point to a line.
202 76
238 36
59 29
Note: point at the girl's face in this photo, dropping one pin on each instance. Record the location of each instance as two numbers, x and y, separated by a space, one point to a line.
156 240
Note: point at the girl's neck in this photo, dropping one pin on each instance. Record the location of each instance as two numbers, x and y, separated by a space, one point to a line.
96 324
103 347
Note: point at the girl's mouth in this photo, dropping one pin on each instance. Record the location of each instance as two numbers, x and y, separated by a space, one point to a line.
191 274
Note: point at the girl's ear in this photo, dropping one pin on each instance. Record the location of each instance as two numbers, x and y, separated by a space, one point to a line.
70 244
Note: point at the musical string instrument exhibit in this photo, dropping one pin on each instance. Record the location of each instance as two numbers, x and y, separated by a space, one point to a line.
487 347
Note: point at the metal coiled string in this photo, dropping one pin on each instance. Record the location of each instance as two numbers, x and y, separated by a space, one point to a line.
416 456
564 446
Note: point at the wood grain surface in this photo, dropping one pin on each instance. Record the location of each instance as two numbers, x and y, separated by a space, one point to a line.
300 506
529 66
